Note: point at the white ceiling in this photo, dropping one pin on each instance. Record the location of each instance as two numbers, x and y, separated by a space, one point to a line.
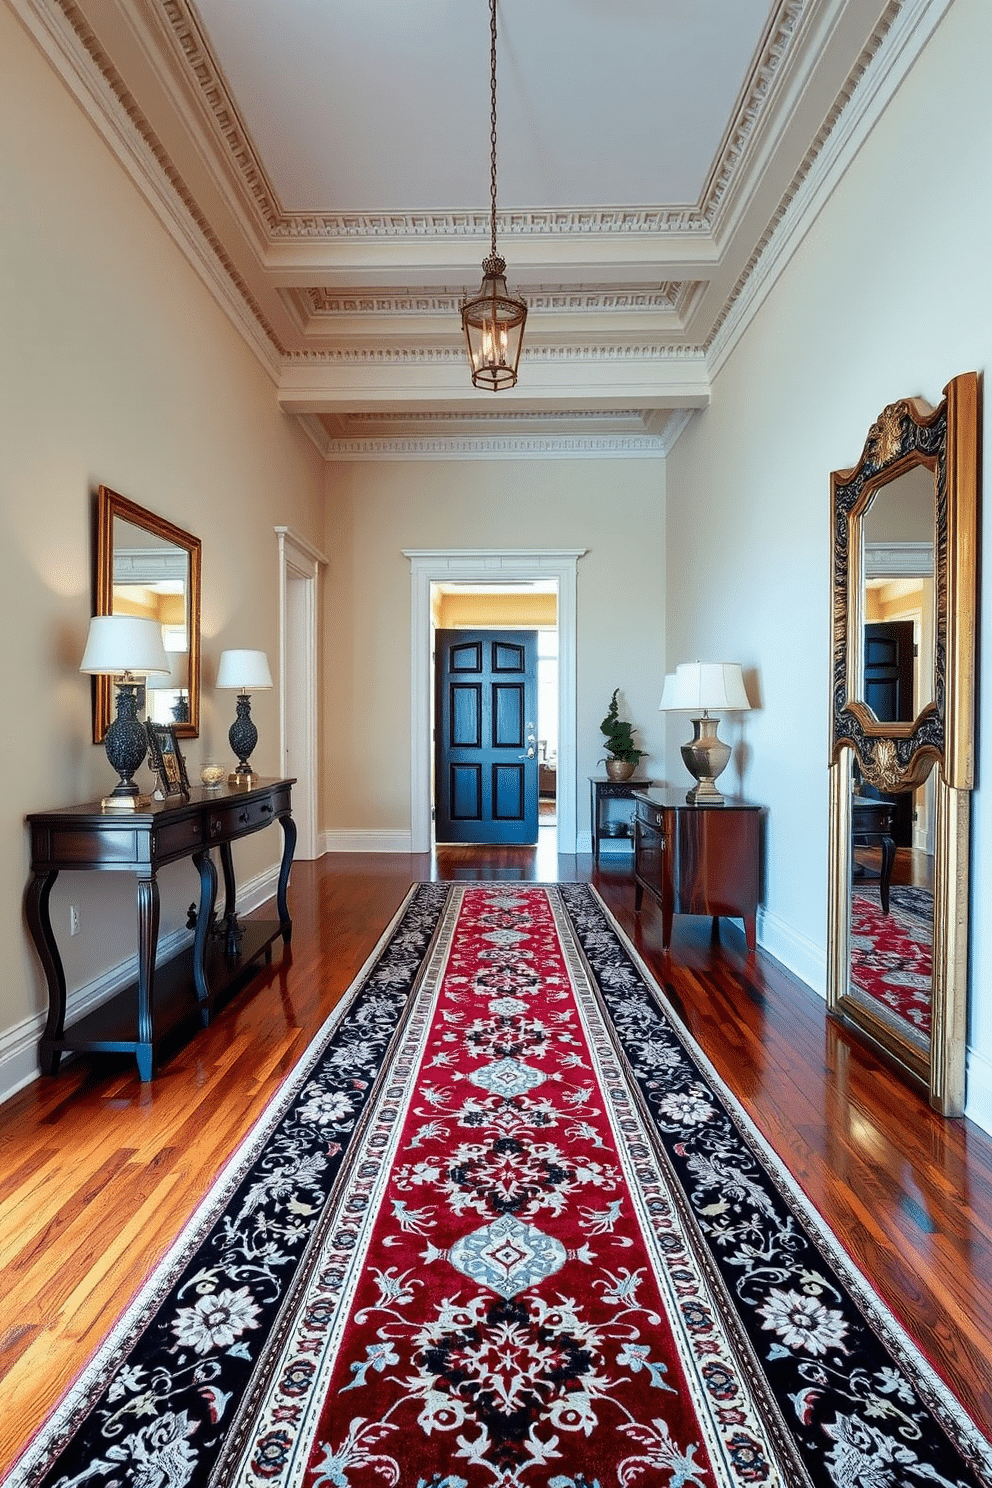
326 165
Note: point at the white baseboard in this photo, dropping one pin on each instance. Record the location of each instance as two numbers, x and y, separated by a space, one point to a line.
798 954
19 1045
366 842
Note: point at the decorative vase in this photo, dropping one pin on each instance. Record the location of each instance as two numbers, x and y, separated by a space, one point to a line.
619 769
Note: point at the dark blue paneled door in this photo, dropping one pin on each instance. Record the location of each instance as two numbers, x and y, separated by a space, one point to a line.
485 736
889 664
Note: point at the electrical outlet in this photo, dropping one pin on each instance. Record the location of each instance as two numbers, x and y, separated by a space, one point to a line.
73 919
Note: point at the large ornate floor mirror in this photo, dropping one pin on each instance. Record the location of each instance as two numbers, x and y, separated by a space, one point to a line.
903 726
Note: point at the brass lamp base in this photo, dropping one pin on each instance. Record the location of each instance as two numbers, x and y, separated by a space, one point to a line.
125 803
705 757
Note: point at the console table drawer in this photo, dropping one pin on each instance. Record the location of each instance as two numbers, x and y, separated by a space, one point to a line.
239 817
652 816
177 839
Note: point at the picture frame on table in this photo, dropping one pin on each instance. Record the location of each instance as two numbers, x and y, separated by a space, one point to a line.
166 759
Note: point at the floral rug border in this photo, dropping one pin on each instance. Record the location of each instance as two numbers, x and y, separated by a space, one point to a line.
376 1006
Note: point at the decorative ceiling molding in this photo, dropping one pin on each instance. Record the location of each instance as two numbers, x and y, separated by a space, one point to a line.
229 129
503 447
62 31
670 298
269 315
901 33
454 355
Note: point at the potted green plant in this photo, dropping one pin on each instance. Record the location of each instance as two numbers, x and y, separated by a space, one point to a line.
622 754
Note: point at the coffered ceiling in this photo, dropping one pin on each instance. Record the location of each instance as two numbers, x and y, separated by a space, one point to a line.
325 164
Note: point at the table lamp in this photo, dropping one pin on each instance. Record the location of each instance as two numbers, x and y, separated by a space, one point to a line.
119 646
697 687
244 672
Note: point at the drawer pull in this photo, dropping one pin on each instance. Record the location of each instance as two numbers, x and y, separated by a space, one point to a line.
266 808
243 818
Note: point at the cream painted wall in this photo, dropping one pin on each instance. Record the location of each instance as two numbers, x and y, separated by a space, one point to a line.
888 296
117 367
374 511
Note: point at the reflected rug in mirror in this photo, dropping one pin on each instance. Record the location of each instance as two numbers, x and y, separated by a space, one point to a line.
892 954
505 1226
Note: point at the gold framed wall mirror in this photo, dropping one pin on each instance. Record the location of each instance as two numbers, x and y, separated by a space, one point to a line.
904 534
147 566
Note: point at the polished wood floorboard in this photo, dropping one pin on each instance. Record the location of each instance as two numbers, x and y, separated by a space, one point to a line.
99 1173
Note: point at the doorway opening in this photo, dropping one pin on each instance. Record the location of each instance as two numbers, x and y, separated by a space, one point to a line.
500 610
430 566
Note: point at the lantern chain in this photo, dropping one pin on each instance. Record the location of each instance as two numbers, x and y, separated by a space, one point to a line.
492 130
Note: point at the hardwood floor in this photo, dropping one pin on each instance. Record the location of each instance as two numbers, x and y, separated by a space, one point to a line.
98 1173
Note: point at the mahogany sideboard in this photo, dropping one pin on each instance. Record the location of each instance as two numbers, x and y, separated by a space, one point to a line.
136 1019
701 860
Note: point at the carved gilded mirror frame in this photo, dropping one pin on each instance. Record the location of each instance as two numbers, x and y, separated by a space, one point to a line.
899 756
110 507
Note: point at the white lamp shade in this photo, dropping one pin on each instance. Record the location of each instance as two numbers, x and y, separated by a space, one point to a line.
244 671
701 685
124 643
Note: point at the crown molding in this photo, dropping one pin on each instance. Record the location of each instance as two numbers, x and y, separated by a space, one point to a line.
64 36
319 301
190 47
903 30
454 355
502 447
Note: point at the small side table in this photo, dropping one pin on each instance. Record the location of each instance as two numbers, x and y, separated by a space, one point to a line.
871 825
602 792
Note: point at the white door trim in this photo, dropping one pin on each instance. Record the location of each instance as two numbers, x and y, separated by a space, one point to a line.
487 565
300 561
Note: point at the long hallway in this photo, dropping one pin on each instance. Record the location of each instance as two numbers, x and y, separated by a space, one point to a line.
99 1173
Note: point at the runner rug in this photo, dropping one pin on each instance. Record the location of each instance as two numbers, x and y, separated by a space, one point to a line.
892 954
506 1227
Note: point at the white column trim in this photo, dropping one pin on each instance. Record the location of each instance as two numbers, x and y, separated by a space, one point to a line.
299 559
488 565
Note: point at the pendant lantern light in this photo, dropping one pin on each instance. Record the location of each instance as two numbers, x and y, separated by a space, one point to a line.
494 321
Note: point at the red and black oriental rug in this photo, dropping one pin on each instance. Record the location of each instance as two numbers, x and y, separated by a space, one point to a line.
505 1226
892 954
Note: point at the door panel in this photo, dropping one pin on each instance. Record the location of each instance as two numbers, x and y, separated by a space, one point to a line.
486 736
466 792
508 716
508 792
466 716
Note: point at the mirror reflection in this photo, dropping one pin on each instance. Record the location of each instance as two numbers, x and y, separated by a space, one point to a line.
890 914
896 659
904 523
898 567
151 580
148 567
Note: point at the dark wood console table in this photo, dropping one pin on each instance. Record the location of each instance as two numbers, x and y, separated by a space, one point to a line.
135 1020
700 860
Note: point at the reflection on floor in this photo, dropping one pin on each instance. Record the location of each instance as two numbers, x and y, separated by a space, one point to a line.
910 867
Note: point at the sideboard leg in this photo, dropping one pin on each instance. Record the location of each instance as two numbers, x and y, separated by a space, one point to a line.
38 912
204 865
288 848
148 912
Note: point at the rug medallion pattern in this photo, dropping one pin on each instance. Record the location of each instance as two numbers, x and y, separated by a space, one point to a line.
508 1229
